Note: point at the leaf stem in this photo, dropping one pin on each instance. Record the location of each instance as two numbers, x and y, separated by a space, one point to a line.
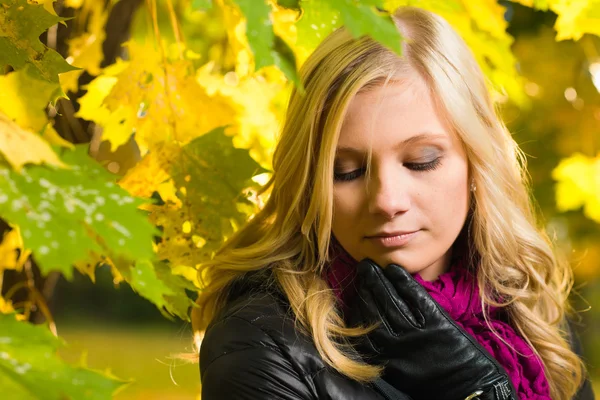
176 30
152 7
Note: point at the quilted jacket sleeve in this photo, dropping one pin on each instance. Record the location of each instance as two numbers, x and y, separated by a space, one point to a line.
585 392
239 361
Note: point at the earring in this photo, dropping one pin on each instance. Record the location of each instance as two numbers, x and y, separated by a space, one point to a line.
473 187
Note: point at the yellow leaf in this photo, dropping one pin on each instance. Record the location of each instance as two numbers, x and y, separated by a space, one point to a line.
575 18
24 99
85 49
482 26
12 252
52 137
578 184
48 5
75 3
6 306
257 118
150 175
21 147
180 249
153 105
189 273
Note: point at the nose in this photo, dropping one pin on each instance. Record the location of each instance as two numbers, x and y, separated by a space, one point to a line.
388 192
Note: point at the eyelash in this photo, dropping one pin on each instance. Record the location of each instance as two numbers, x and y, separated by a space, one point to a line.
419 167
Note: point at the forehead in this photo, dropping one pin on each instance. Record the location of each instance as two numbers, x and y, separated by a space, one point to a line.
402 110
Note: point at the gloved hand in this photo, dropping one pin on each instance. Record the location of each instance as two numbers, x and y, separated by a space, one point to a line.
426 354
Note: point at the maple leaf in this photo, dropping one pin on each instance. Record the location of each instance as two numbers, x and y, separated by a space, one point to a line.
12 251
578 184
24 99
257 118
20 146
30 367
575 18
151 174
268 48
85 49
66 214
482 26
321 17
153 101
214 175
21 24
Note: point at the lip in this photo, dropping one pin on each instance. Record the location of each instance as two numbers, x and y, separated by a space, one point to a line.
392 239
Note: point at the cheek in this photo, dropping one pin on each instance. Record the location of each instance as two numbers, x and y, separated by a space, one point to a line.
346 207
451 202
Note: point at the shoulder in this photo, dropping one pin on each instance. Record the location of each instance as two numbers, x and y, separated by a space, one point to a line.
252 350
585 392
253 346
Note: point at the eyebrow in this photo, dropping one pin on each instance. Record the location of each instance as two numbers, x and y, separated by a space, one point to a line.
413 139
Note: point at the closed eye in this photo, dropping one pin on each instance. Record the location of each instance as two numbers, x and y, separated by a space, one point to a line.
357 173
428 166
348 176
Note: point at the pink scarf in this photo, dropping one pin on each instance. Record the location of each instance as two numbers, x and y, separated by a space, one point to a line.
457 292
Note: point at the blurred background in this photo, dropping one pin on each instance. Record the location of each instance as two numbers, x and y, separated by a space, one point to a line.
542 59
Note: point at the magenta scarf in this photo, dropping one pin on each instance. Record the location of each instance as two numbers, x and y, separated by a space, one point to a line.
457 292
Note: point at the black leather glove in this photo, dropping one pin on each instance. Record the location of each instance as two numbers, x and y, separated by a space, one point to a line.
426 354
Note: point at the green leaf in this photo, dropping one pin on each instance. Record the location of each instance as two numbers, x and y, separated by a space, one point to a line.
321 17
65 214
293 4
268 48
158 283
178 303
145 281
363 19
214 174
21 24
541 4
259 30
30 368
201 5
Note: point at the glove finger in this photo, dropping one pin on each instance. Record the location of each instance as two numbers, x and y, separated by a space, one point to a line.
368 314
413 293
397 314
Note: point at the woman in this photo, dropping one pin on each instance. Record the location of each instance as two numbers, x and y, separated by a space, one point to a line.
402 164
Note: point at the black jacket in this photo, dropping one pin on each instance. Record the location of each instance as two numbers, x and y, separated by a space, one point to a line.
251 350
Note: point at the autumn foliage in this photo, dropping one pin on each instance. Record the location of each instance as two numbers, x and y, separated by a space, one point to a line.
140 143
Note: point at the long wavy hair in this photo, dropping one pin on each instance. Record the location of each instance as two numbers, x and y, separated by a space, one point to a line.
291 235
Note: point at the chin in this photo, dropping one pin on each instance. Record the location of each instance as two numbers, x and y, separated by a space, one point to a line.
385 260
398 259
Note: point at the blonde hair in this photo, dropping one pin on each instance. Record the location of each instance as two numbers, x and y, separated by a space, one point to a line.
291 234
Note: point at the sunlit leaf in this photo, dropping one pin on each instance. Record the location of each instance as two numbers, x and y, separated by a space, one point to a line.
578 185
24 99
21 24
85 49
138 98
20 147
12 252
268 48
65 214
361 18
294 4
319 19
482 26
146 283
150 174
214 175
31 370
201 5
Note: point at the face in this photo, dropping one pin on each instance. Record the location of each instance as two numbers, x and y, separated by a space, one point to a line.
415 202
